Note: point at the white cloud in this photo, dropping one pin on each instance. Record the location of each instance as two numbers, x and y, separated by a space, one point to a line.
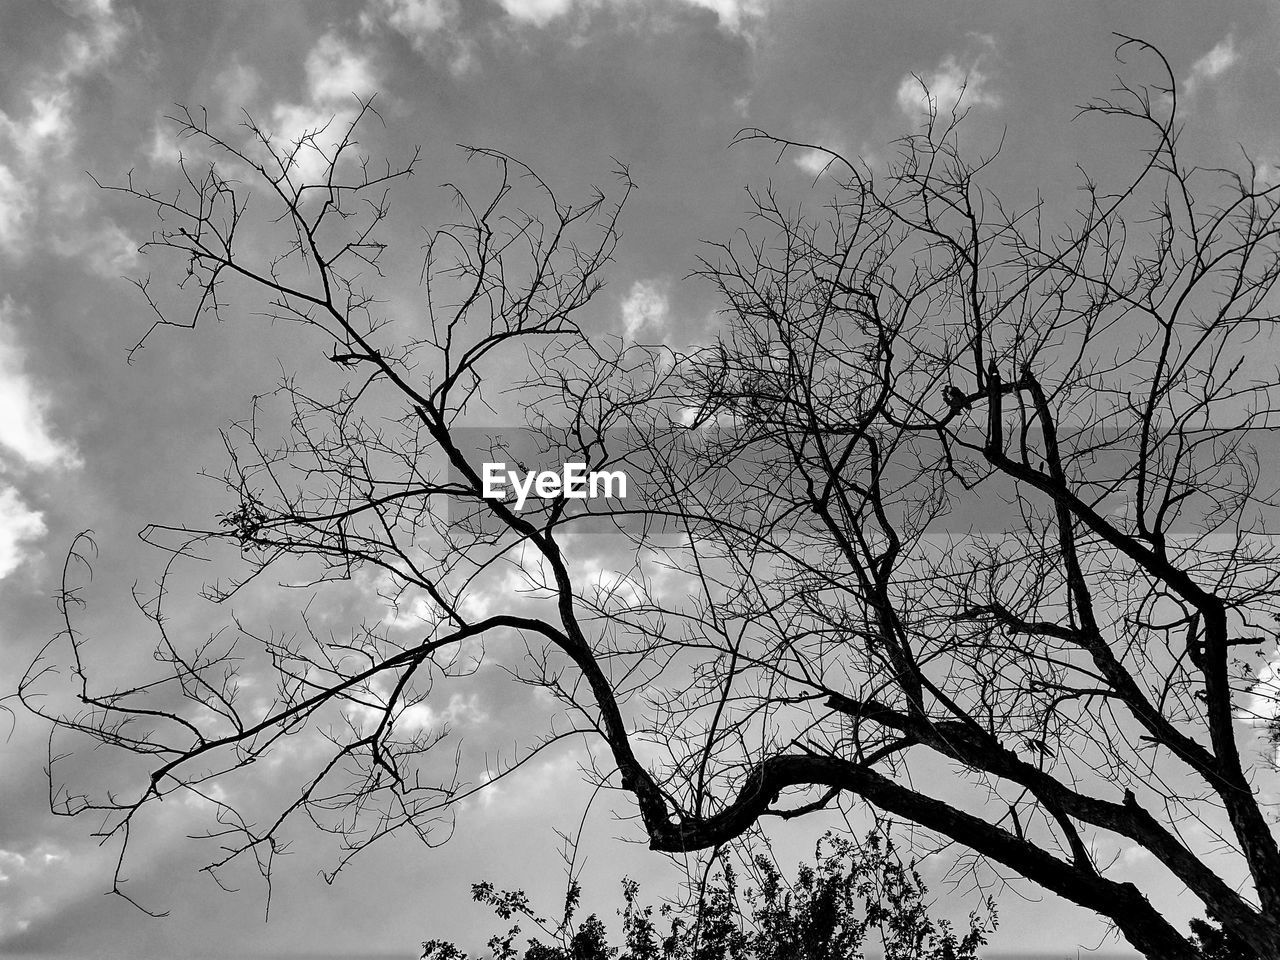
732 12
463 59
1266 174
813 162
313 130
1132 856
88 8
418 717
47 129
431 26
645 308
85 51
42 131
335 72
537 12
19 524
105 250
1212 65
947 88
556 780
336 76
831 137
460 711
609 588
418 20
95 243
23 429
734 15
43 878
1263 707
164 149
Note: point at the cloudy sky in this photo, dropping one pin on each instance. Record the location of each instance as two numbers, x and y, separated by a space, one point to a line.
89 441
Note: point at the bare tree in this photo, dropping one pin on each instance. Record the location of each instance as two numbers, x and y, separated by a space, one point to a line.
955 493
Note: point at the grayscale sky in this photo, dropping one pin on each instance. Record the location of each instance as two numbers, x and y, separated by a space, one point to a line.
89 441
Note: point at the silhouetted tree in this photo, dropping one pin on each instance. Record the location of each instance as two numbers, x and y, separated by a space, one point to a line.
852 897
835 622
1215 943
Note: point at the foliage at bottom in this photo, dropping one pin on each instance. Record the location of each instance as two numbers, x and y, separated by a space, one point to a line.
854 896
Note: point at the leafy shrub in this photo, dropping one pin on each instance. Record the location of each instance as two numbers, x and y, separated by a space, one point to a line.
852 896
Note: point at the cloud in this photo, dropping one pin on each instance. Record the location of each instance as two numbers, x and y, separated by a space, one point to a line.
431 26
335 72
1266 174
1132 856
51 95
951 86
336 76
19 872
105 250
418 20
831 137
438 30
95 243
164 150
613 589
735 16
460 711
1212 65
645 308
419 716
88 8
19 524
1263 707
15 206
733 13
37 137
557 780
23 427
813 162
537 12
47 129
85 51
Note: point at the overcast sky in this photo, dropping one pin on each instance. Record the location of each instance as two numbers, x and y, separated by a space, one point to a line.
88 441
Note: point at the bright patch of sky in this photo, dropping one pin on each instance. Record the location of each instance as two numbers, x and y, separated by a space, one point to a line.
644 311
1212 65
24 428
948 88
